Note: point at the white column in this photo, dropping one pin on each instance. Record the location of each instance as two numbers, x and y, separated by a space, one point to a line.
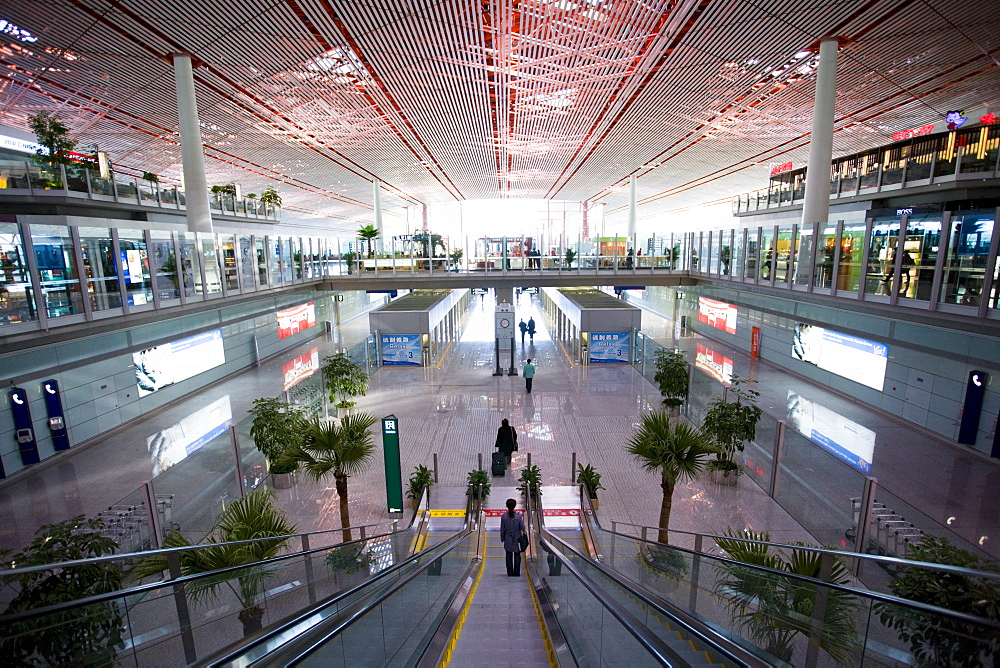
424 223
377 198
199 215
631 207
816 206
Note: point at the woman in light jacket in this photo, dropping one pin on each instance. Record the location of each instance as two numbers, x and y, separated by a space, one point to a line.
511 526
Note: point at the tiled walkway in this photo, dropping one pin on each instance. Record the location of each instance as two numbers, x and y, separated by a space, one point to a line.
453 411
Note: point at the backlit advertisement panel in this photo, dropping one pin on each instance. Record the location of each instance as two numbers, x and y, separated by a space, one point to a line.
854 358
295 371
714 364
846 439
193 432
401 350
296 319
160 366
609 347
717 314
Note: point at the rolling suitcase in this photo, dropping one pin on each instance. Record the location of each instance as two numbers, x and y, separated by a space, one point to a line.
499 464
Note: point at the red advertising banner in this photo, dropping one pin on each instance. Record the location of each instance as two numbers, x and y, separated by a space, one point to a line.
294 320
717 314
755 342
300 368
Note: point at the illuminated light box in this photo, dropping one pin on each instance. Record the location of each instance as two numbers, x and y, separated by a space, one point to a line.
297 319
175 443
401 350
610 347
714 364
844 438
717 314
160 366
851 357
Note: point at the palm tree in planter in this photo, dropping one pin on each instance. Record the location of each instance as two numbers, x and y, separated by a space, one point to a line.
772 608
343 448
730 421
252 517
675 449
368 233
591 479
531 481
672 378
570 258
344 378
455 257
422 478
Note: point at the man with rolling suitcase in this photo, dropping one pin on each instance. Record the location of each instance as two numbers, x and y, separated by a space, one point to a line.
506 445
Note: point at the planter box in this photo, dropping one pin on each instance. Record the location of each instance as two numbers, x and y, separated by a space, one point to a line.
720 477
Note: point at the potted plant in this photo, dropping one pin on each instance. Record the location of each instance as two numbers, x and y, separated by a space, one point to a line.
531 481
90 635
253 517
591 479
368 233
276 428
672 378
341 448
570 258
772 610
725 255
676 450
946 641
421 478
456 257
270 196
227 189
51 134
479 484
344 379
349 258
675 254
730 421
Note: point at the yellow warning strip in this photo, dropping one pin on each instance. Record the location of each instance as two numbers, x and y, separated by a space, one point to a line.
447 512
568 358
453 638
444 354
541 622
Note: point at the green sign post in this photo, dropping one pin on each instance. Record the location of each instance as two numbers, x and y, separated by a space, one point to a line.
393 471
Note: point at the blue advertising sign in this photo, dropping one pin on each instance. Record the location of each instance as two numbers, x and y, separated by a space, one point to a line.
57 422
401 350
610 347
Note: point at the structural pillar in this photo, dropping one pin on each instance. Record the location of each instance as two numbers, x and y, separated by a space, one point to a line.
631 208
199 214
424 220
377 201
816 206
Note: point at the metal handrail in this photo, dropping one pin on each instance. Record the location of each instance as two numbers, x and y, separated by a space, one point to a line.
183 580
853 591
842 554
662 652
4 573
274 636
703 632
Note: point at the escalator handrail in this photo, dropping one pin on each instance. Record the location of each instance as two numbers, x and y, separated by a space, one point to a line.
5 573
852 591
843 554
656 647
271 635
705 633
183 580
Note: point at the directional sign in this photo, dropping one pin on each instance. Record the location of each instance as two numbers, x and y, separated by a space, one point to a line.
393 470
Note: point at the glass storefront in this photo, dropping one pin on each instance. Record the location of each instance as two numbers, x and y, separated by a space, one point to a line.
99 268
966 260
17 301
60 286
132 254
851 264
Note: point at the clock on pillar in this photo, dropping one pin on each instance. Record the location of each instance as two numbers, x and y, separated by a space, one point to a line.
504 332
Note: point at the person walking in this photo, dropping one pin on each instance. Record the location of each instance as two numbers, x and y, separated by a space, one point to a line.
511 528
531 329
529 374
506 439
524 330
